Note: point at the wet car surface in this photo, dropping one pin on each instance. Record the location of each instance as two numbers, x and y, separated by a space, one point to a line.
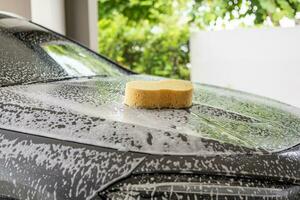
66 134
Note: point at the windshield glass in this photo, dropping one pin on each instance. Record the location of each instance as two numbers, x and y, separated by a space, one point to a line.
29 54
77 61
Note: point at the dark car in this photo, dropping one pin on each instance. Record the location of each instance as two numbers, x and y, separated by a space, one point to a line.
66 134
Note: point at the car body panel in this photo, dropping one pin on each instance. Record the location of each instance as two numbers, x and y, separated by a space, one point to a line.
35 167
91 111
42 168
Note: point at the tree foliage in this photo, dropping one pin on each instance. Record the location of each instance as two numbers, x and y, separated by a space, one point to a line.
152 37
134 10
144 36
275 10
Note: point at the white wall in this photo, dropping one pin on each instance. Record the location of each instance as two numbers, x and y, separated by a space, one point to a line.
49 13
19 7
261 61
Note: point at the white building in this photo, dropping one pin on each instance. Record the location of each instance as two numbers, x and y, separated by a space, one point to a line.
260 61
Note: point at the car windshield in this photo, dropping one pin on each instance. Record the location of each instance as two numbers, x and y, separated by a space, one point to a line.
31 54
77 61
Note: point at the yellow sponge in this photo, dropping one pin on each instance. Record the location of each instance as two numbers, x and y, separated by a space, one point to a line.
159 94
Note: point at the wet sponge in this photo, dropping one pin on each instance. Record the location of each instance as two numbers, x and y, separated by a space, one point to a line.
159 94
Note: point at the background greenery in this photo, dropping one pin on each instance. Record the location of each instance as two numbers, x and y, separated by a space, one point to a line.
152 36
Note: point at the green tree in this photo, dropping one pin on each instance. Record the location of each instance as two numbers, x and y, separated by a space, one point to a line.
145 36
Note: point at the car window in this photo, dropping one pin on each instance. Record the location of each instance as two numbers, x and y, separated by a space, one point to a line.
29 53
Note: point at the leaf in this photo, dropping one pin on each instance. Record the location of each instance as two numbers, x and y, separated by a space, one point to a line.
287 9
269 5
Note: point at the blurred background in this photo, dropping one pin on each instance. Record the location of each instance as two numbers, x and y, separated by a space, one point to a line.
249 45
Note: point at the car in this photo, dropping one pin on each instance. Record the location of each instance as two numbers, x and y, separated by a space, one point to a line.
66 134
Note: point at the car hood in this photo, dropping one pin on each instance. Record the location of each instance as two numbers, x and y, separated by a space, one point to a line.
91 111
